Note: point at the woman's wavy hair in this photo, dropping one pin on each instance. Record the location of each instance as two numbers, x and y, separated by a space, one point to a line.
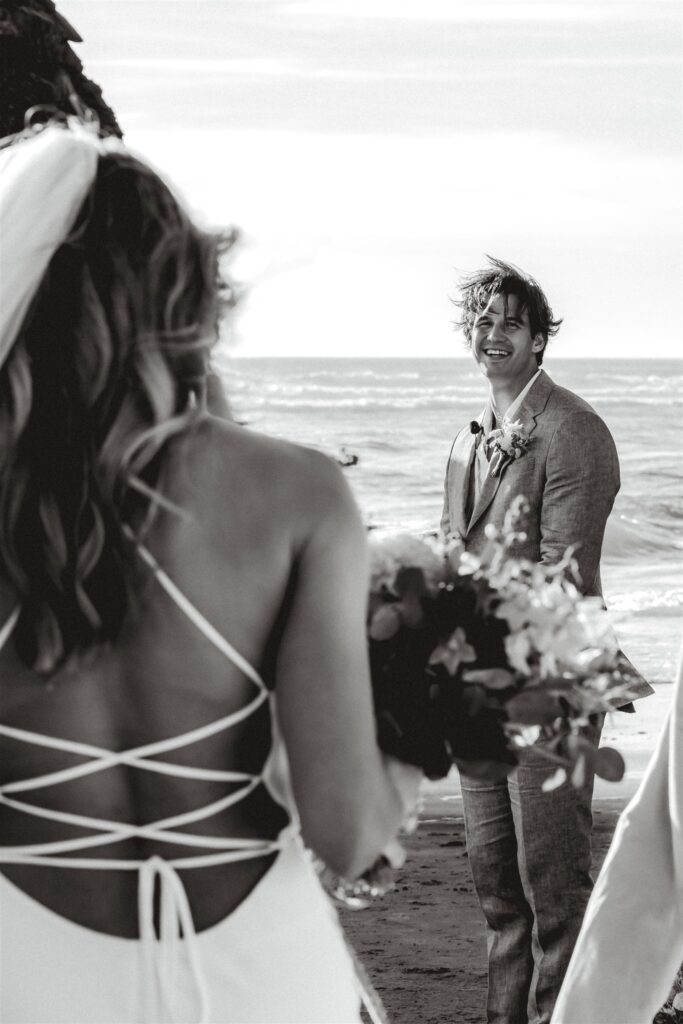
109 366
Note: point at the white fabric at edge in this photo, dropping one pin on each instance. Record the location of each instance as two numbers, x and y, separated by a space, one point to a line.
631 943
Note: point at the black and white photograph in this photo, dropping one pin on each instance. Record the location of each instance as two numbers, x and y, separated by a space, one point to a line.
341 508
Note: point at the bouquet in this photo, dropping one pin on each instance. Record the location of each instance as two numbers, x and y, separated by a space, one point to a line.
474 657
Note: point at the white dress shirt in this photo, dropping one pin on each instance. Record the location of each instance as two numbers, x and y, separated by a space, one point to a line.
511 410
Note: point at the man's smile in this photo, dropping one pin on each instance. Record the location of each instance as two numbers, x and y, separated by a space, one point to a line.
496 353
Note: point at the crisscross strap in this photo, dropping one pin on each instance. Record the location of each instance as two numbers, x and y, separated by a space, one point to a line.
197 619
176 917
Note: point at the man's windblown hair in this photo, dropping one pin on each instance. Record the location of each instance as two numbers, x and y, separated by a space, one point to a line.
500 278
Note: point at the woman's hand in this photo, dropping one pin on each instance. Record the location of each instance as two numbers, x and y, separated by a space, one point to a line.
406 779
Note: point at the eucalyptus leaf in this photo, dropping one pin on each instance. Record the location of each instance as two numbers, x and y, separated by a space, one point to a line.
473 699
533 707
385 623
609 764
491 678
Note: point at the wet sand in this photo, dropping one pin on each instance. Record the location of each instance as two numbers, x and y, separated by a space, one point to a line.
423 944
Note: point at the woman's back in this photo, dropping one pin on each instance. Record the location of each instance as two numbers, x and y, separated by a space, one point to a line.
246 505
184 688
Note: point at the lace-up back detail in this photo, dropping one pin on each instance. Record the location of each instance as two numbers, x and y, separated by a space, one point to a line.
175 915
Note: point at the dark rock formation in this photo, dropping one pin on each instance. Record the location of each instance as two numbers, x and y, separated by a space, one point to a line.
39 68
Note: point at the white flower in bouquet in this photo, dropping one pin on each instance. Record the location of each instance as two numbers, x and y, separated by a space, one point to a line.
518 649
468 564
515 610
455 652
454 553
596 624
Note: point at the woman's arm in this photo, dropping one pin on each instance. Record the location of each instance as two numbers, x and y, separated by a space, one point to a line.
348 804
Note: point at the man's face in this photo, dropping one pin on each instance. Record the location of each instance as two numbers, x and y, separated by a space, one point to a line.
502 344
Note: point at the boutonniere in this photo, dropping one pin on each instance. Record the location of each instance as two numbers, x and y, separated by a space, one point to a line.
505 445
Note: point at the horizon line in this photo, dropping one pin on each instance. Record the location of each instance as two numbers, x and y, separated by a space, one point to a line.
464 356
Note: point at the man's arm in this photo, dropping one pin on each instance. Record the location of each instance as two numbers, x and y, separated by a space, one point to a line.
582 481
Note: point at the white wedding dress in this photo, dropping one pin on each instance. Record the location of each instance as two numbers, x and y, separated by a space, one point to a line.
631 943
279 957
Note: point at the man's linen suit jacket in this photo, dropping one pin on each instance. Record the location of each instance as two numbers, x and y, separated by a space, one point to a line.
569 475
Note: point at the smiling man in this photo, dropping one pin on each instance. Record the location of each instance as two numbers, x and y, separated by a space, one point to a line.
530 851
569 471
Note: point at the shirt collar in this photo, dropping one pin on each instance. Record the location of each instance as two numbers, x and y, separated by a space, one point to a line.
514 407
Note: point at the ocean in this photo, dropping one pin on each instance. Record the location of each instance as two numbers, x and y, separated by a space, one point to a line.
399 417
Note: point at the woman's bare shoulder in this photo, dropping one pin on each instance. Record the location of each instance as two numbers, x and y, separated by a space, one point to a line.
237 464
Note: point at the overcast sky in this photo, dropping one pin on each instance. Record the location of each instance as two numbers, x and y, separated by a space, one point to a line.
372 149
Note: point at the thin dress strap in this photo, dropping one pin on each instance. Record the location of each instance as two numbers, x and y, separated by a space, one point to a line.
176 917
197 619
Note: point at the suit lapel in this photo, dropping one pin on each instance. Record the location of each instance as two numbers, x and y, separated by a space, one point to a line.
461 467
535 402
460 471
533 405
486 496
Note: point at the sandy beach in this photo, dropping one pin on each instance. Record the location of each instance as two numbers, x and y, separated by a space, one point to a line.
423 945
